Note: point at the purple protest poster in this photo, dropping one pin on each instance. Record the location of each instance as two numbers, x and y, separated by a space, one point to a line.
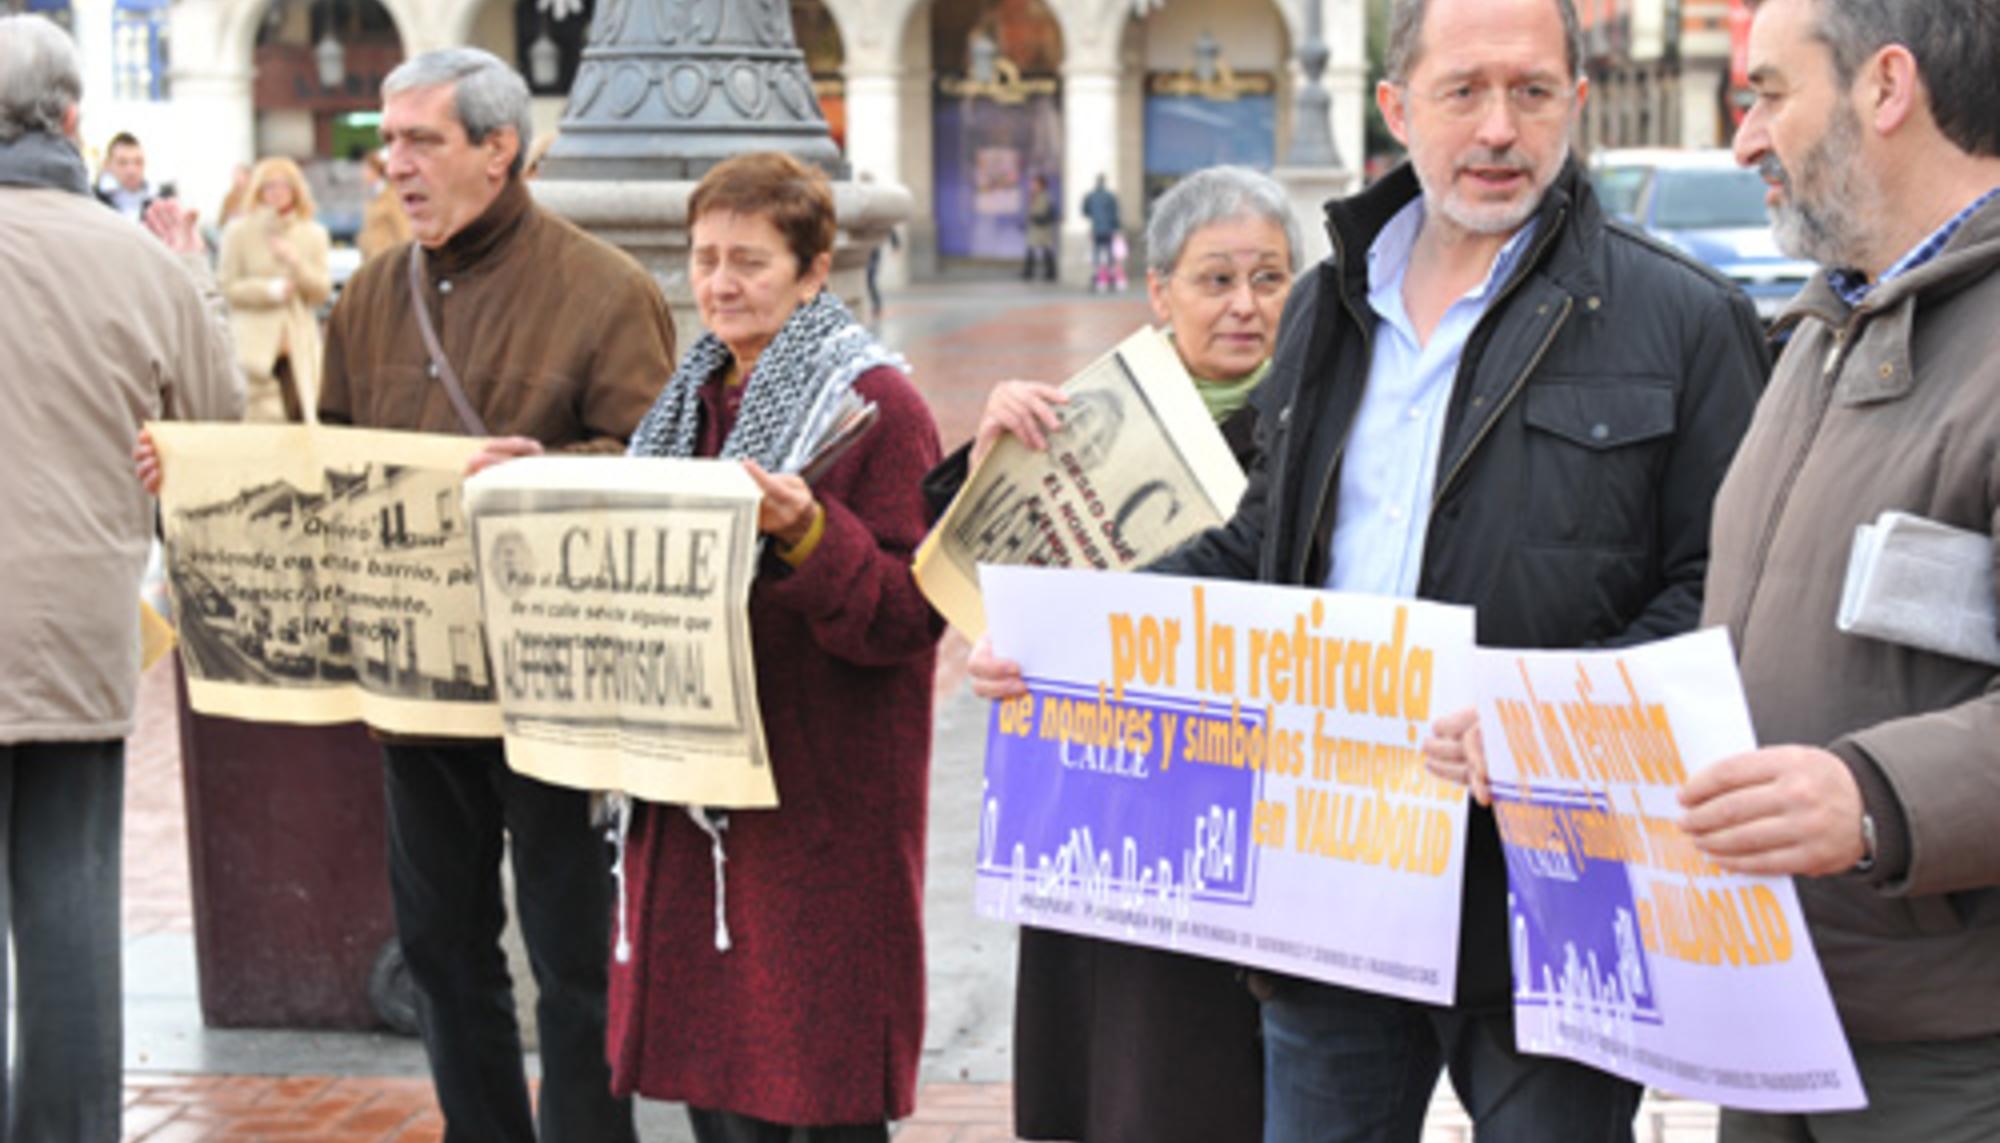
1229 770
1631 951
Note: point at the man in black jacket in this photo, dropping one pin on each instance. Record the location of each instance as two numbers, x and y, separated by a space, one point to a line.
1487 395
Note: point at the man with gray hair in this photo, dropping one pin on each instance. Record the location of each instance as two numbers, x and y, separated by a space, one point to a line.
541 336
1877 126
105 329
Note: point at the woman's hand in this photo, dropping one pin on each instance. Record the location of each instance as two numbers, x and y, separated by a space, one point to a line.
1027 409
146 463
284 252
1455 752
992 676
497 450
788 510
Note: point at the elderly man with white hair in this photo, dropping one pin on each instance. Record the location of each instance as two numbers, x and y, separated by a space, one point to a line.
105 328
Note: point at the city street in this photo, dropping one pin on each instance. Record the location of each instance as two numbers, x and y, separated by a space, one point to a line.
185 1082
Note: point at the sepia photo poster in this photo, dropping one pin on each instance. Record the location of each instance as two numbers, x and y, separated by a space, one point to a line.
1137 467
323 574
616 598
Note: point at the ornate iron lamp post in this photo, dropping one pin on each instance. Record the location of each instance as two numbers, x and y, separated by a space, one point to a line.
666 90
669 88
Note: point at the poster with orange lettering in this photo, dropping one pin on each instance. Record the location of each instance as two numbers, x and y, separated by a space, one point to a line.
1631 951
1230 770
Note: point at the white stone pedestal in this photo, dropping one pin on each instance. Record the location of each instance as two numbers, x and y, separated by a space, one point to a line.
1309 189
648 220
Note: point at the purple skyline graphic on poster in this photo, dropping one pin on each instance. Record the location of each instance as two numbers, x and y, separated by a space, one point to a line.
1573 926
1087 817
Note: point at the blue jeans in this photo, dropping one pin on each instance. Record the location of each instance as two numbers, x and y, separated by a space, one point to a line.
62 805
1342 1066
449 807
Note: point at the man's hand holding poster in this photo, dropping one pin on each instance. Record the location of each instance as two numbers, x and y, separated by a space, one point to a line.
1230 770
1631 951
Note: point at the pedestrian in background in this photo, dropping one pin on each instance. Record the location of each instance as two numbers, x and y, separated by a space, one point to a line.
1100 206
121 182
1041 218
776 977
273 270
384 226
106 328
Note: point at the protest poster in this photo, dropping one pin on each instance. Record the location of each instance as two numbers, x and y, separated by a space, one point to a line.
1228 769
616 594
1137 467
1632 952
323 574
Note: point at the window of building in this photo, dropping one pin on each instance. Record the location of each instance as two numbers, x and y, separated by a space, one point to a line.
139 49
57 11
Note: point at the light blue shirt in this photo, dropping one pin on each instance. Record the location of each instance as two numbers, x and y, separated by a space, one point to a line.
1390 464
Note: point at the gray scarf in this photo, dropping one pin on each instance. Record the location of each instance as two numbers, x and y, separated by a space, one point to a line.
38 159
793 391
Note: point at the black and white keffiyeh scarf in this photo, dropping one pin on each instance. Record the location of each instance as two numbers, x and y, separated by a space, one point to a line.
792 394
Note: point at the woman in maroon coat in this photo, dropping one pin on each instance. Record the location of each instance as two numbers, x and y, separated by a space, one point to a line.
775 976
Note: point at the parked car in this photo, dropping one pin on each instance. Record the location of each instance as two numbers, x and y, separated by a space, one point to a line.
1705 205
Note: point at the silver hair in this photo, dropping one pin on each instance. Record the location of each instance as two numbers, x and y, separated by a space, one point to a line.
1406 34
39 77
1215 194
1953 42
489 95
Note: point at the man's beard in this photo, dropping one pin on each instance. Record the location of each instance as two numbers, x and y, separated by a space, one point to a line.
1492 218
1828 228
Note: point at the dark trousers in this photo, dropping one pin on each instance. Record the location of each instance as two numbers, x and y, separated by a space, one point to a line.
1342 1066
62 805
449 807
1937 1091
730 1127
1046 256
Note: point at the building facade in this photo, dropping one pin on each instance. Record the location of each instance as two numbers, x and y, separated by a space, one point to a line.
1663 73
962 101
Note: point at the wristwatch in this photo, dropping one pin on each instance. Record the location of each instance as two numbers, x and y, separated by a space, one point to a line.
1867 862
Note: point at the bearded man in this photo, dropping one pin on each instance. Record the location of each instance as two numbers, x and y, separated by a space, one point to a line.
1876 126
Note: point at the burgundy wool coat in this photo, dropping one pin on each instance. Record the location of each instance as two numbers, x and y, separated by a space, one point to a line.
815 1014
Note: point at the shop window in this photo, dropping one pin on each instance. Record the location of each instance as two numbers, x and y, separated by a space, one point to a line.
139 50
58 11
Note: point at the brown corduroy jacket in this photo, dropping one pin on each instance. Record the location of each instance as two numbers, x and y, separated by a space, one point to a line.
554 334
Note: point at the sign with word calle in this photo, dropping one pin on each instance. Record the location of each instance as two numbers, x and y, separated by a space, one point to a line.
1230 770
616 597
1632 952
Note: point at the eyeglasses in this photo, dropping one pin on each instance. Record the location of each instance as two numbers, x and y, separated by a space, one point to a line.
1531 100
1223 283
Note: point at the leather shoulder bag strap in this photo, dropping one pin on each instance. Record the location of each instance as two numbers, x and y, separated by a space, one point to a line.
440 365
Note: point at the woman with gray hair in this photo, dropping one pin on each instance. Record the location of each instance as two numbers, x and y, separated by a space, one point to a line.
1222 247
1113 1042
